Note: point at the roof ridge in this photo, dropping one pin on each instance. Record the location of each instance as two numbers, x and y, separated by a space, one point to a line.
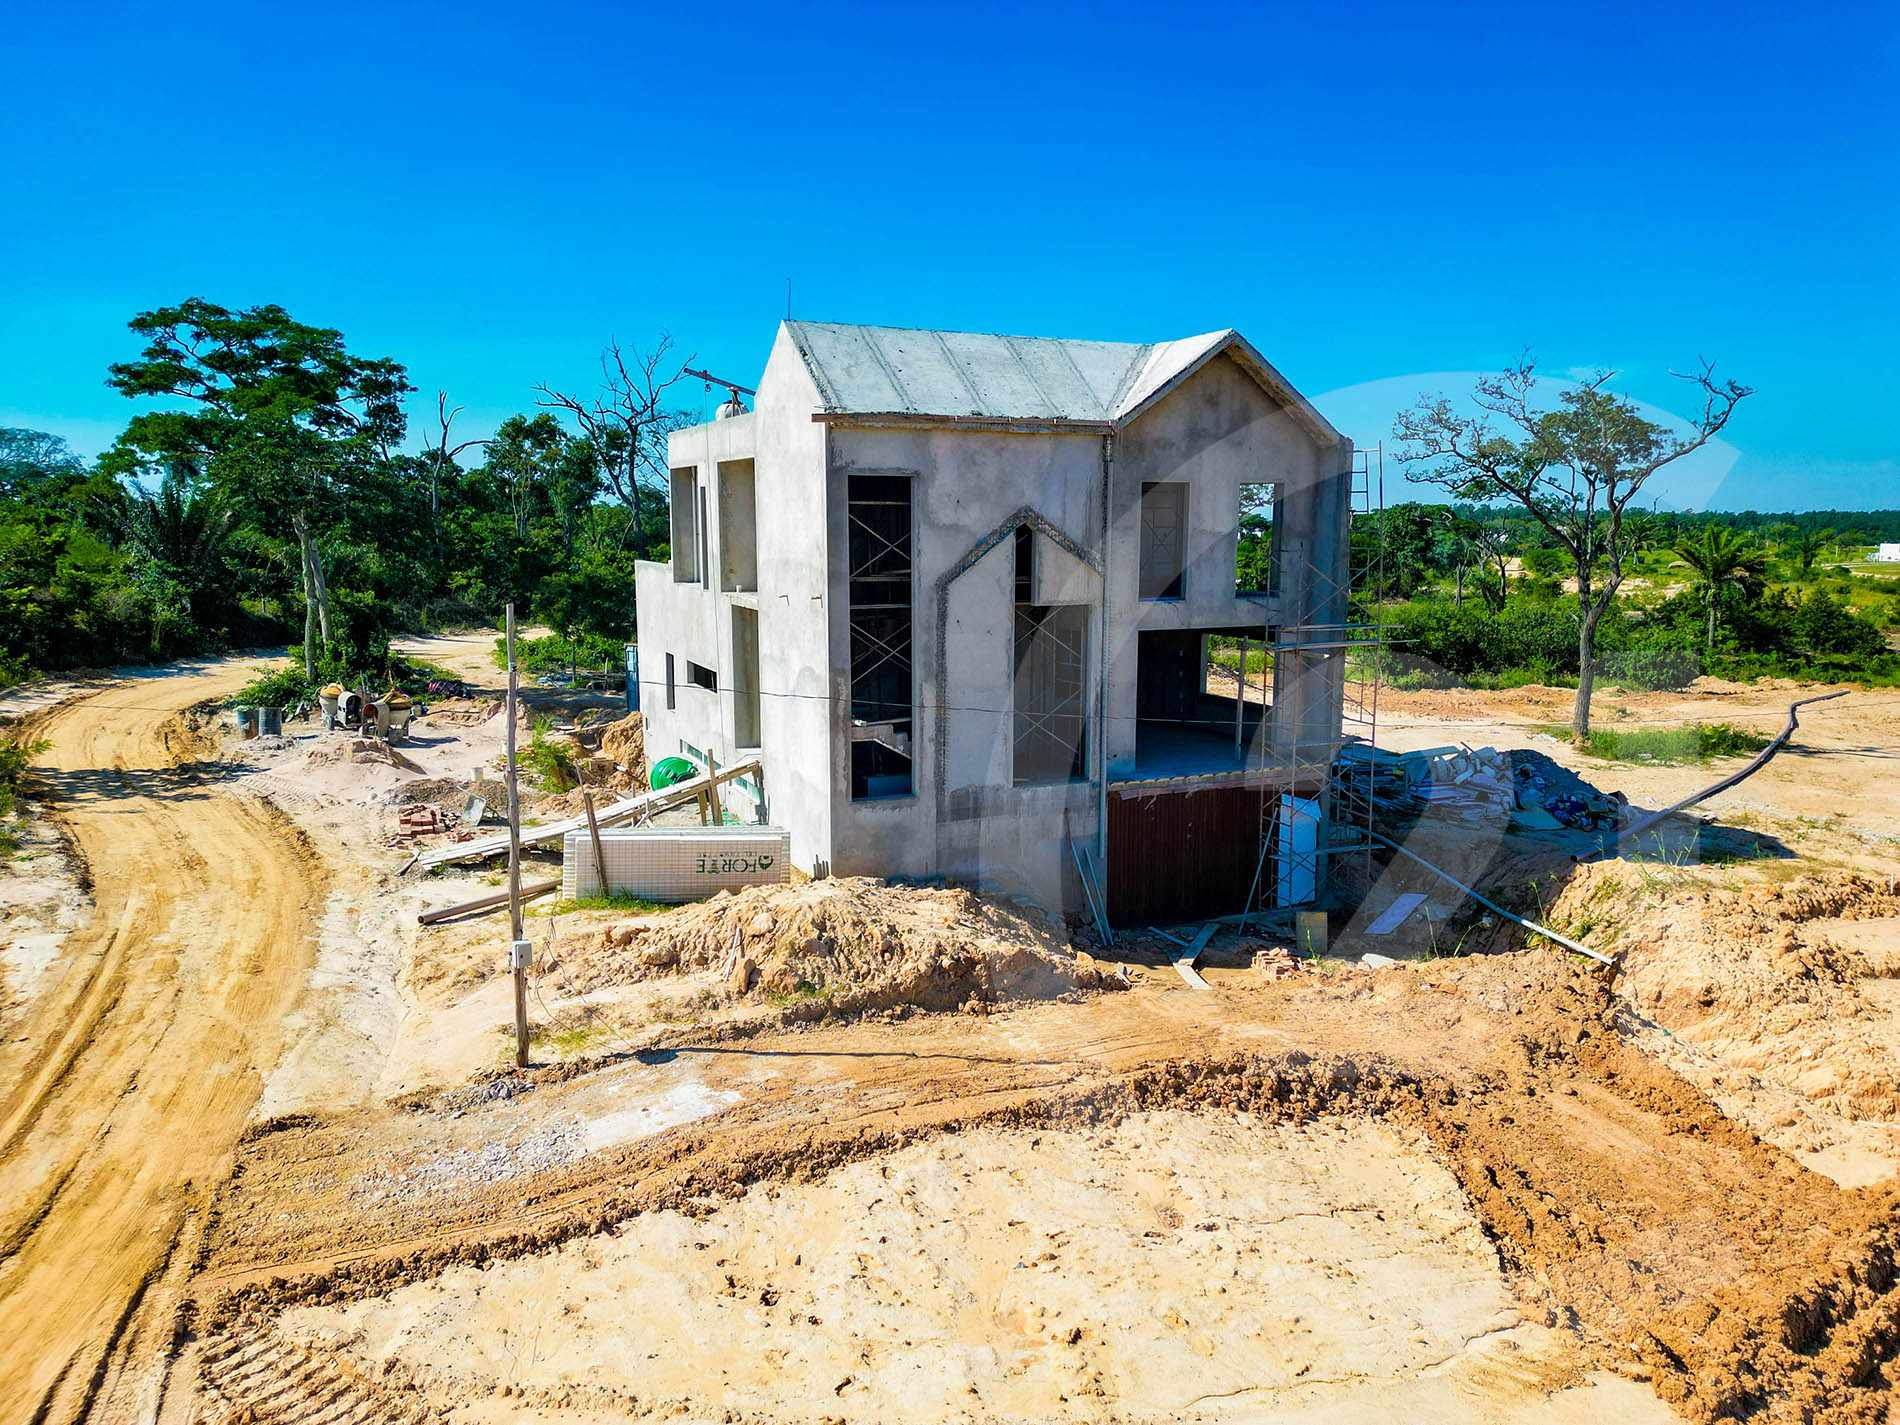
964 331
1135 368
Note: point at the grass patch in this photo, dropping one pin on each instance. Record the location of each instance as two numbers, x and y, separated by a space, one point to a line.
547 762
804 992
619 900
1667 746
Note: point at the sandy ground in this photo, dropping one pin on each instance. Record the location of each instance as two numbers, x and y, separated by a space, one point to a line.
1837 786
1174 1266
261 1159
132 1072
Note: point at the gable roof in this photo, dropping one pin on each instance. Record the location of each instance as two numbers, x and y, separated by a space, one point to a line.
939 377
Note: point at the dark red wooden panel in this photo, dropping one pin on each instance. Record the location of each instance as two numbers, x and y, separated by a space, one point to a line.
1181 856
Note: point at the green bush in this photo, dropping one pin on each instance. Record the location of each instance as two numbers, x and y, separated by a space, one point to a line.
15 754
1436 638
1697 742
547 761
375 670
1822 625
555 654
1651 667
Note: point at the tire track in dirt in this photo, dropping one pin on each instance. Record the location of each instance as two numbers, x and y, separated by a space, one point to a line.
131 1080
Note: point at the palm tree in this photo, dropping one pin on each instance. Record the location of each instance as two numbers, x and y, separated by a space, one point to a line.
1805 543
1720 555
183 535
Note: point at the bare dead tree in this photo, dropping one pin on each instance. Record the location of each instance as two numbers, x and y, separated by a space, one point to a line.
439 456
1575 469
627 421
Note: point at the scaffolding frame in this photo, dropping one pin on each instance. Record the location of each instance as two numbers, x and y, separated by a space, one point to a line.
1299 770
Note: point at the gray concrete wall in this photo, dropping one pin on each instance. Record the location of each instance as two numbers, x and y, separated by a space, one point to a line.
964 818
787 454
1217 431
798 694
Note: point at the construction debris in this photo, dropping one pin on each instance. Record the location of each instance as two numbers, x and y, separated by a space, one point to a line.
645 804
1394 915
1473 786
1275 962
494 902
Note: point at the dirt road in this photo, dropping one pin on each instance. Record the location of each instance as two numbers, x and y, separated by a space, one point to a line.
131 1079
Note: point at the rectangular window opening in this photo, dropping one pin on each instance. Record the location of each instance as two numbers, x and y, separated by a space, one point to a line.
684 511
878 571
705 567
1256 569
745 678
672 686
738 527
1163 538
1050 723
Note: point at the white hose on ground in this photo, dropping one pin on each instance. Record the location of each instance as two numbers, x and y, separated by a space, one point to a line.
1761 760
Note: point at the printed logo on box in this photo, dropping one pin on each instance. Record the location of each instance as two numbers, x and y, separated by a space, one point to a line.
736 864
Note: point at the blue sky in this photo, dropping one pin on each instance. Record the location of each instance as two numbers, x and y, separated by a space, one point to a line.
1373 194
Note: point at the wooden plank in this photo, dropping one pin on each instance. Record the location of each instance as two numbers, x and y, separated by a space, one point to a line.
1184 962
645 803
494 902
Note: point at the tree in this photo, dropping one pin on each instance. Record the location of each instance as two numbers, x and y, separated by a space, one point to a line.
30 457
627 422
1575 469
278 415
1720 557
180 538
437 461
1806 543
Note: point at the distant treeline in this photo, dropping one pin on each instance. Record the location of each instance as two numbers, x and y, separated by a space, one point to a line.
265 491
1849 526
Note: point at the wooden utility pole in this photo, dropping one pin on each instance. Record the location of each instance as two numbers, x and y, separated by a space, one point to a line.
600 852
517 945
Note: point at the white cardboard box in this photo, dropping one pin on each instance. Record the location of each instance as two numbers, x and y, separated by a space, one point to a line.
675 863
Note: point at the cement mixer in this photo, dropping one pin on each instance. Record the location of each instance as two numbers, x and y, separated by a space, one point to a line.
393 714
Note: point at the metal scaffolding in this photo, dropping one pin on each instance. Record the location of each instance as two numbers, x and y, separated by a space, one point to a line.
1309 819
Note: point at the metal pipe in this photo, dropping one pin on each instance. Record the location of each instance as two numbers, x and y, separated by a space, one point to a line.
1240 697
1491 905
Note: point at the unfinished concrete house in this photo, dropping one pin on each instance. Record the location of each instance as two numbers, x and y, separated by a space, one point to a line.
959 591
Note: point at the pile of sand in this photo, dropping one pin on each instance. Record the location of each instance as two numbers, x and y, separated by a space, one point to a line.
626 742
847 945
361 751
1761 977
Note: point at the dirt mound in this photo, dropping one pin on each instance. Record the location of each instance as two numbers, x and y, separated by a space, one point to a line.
850 944
447 793
626 741
360 750
1762 978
